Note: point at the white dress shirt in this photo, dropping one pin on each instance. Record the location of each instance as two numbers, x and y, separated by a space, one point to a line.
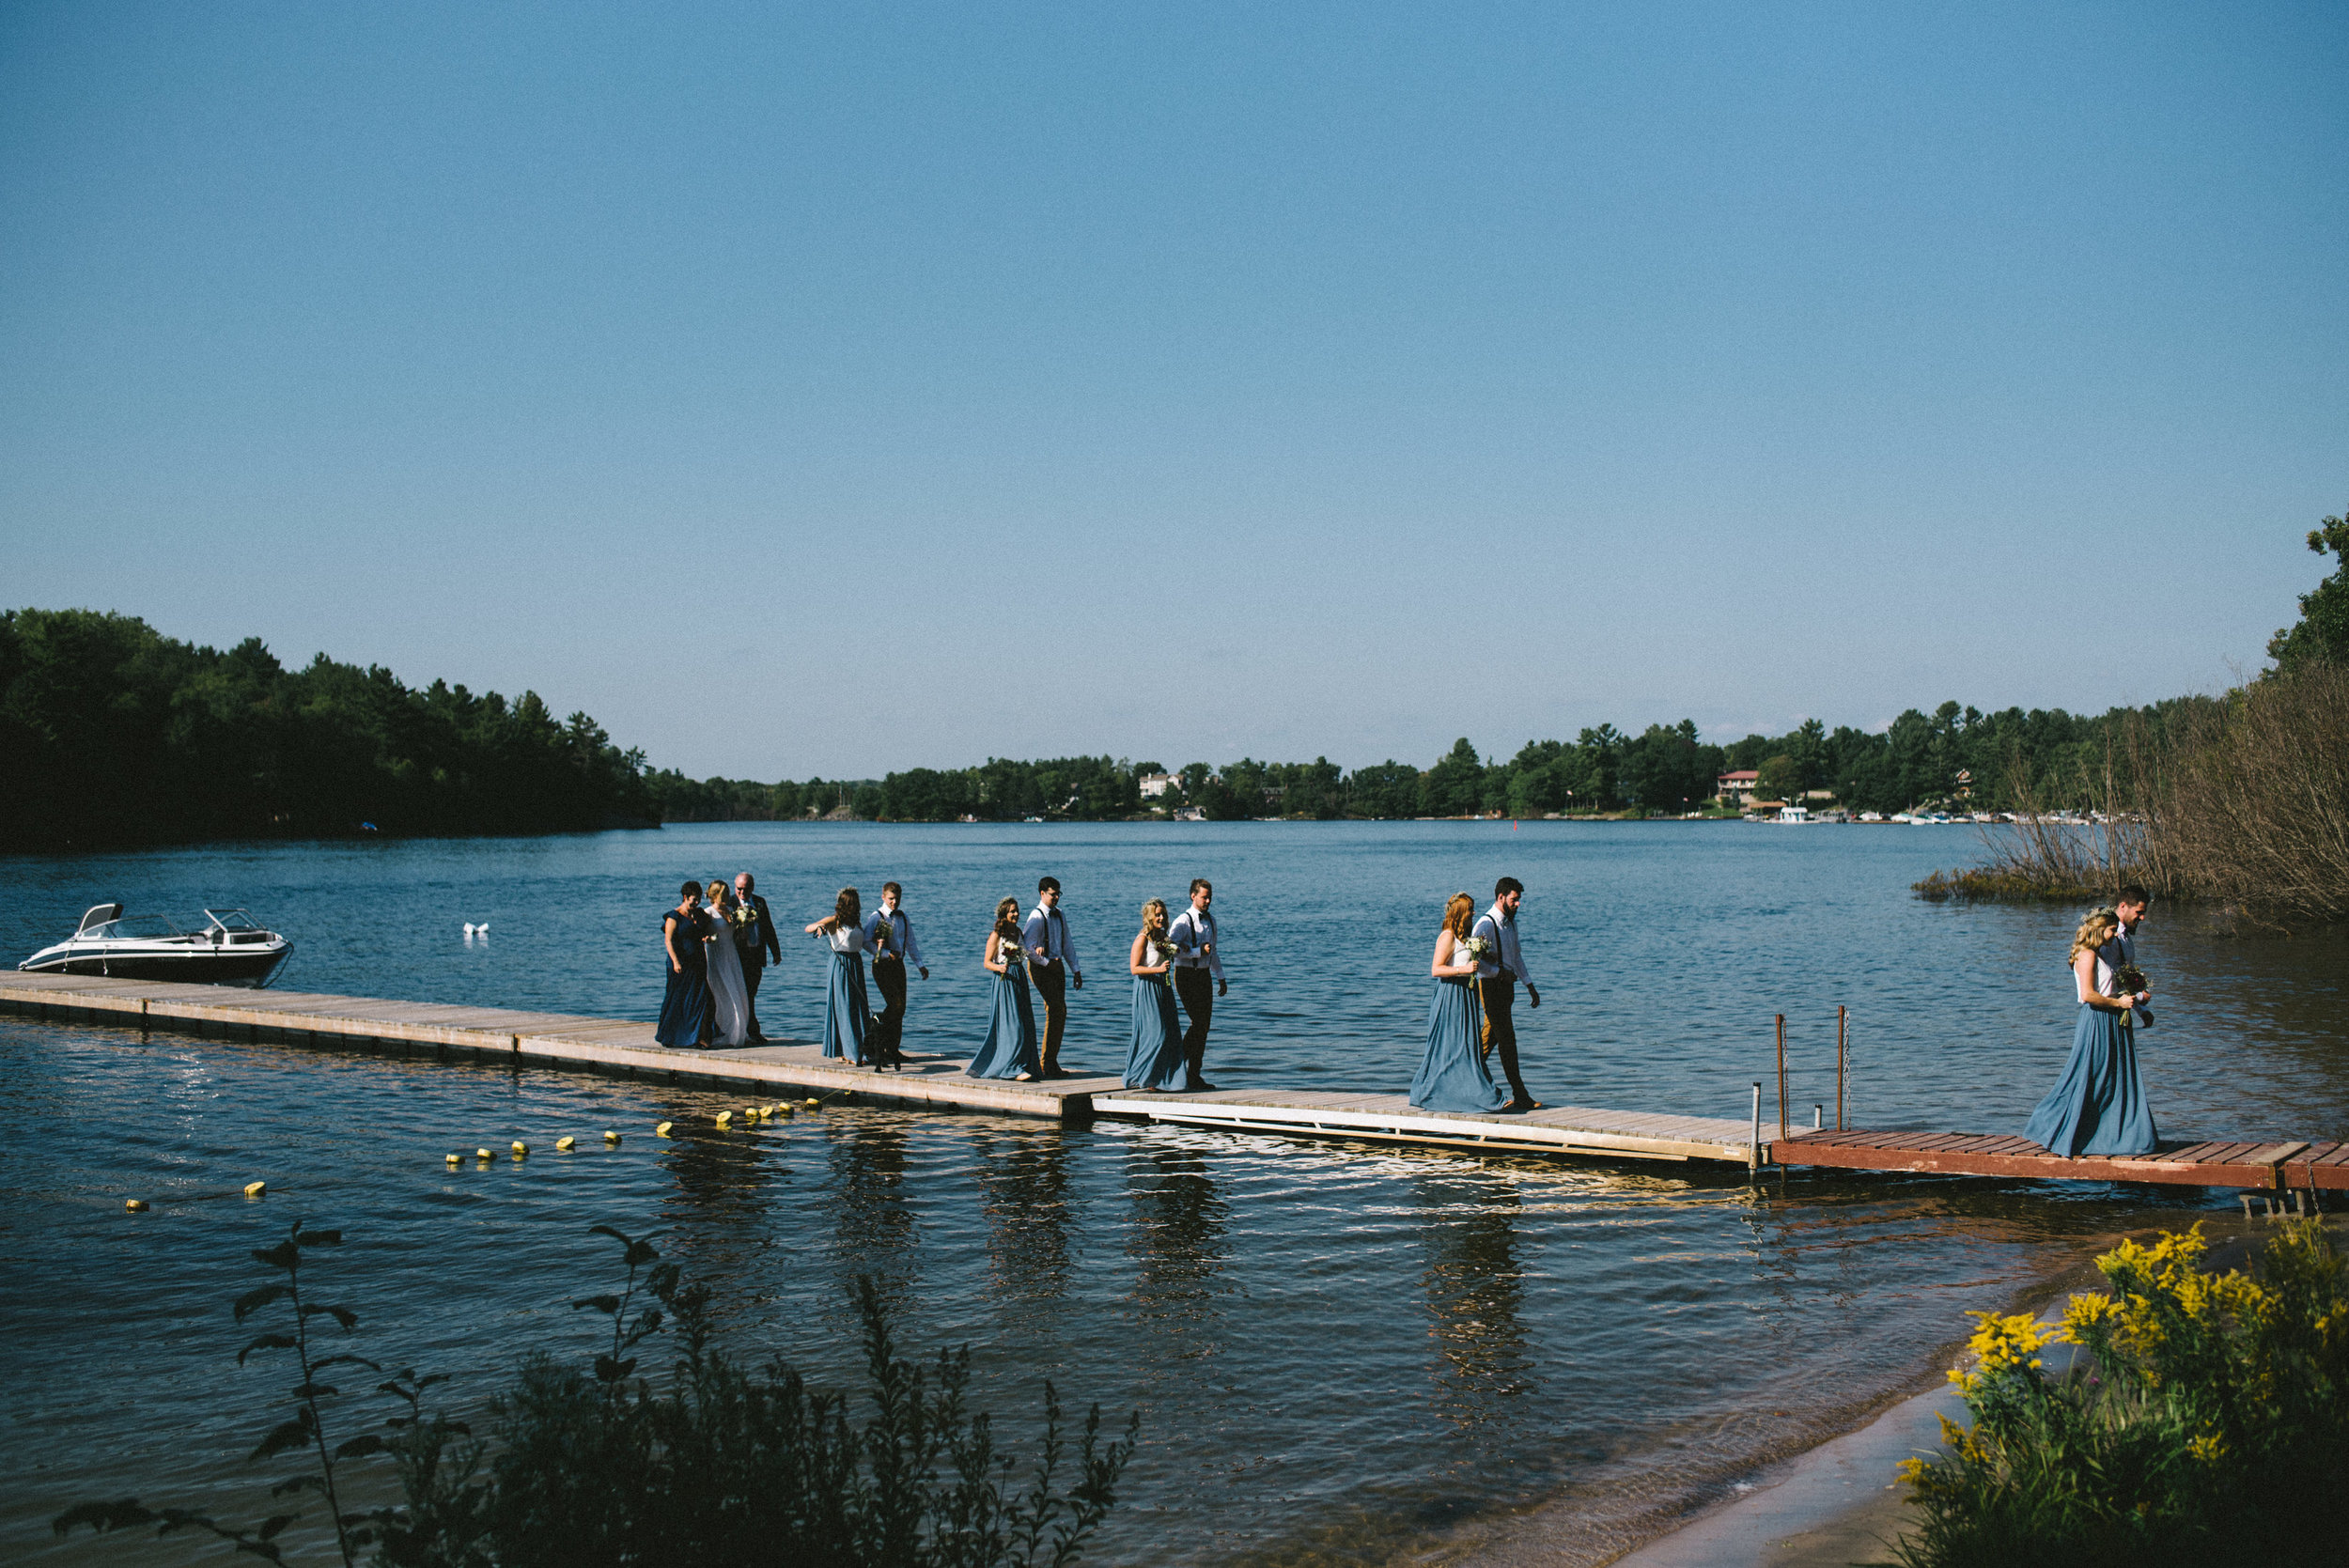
1192 931
901 939
1047 938
1500 931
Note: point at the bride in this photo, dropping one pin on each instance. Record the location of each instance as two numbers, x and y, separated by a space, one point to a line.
730 1000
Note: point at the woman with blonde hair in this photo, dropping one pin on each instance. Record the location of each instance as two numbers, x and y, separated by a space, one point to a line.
1156 1060
1010 1047
729 995
845 1009
2098 1106
1451 1075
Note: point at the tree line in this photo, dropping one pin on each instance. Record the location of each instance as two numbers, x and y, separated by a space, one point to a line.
112 733
1955 756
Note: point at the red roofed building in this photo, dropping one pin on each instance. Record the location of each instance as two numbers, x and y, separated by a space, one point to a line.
1739 785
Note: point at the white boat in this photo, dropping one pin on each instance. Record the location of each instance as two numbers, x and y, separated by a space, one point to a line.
226 947
1793 814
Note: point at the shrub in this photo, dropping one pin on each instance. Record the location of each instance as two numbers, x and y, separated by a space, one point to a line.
726 1465
2204 1423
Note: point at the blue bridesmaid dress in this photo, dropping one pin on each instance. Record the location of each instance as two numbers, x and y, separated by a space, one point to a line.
1011 1045
845 1008
2098 1106
1451 1076
685 1006
1157 1061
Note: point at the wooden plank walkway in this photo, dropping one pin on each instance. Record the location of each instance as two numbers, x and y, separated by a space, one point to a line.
2268 1167
619 1046
1390 1119
540 1039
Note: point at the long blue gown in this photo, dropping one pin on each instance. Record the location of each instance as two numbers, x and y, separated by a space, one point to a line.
1452 1077
1011 1046
685 1016
845 1007
1156 1060
2098 1106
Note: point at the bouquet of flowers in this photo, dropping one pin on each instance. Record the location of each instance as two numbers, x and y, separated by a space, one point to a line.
744 918
2127 980
1479 951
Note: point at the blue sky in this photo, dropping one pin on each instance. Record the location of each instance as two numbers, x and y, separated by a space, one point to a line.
827 390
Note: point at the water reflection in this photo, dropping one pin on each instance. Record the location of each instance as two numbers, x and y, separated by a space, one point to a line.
1178 1241
873 1225
1024 1194
1476 1298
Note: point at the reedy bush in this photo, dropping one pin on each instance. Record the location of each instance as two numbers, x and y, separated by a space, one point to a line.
726 1465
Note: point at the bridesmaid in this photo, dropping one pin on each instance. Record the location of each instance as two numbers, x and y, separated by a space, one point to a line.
1453 1076
685 1005
2098 1106
1010 1050
1157 1060
845 1006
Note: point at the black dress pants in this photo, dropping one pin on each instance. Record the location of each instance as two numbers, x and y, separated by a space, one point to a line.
754 967
886 1037
1196 990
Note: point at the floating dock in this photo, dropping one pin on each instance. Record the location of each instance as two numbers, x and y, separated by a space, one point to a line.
620 1049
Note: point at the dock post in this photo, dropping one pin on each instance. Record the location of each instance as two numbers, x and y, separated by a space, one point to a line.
1754 1150
1818 1111
1841 1016
1782 1075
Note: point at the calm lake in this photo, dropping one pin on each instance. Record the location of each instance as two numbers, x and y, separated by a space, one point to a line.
1341 1354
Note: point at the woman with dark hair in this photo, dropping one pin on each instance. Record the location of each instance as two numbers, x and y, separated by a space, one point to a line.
845 1009
685 1005
1156 1060
2098 1106
1010 1049
1451 1075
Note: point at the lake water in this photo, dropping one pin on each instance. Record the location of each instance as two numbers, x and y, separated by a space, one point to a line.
1341 1354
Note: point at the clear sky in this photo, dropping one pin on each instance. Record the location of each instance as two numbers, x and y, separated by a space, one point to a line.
833 389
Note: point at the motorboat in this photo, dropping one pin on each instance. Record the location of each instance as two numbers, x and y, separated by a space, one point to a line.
227 947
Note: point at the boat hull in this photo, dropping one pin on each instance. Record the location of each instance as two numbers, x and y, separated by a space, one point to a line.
232 968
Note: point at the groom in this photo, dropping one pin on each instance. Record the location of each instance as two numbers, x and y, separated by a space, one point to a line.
1497 977
755 939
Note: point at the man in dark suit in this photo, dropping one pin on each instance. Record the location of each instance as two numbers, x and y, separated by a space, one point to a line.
756 940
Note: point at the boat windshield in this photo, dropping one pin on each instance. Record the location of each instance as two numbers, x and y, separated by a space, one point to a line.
134 929
232 920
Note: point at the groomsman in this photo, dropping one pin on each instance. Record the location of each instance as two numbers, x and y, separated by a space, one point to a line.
1197 957
1053 965
755 941
1497 977
889 935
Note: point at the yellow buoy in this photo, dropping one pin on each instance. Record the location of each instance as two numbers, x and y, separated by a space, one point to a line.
724 1118
752 1113
453 1158
811 1100
787 1110
254 1189
663 1130
565 1143
137 1206
483 1154
521 1148
612 1137
770 1110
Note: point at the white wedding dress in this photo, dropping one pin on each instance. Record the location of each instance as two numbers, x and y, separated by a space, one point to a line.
728 997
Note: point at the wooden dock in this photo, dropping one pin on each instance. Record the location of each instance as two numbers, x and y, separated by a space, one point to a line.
555 1040
2268 1167
1390 1119
622 1048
